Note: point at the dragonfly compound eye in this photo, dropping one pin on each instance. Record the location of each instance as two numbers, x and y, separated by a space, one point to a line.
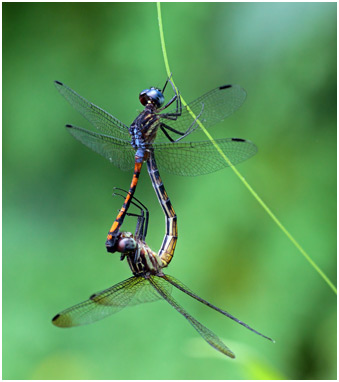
143 98
153 96
127 244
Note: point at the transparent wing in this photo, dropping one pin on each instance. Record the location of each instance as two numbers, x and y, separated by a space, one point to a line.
214 106
132 291
187 159
199 158
178 284
148 294
98 117
117 151
159 284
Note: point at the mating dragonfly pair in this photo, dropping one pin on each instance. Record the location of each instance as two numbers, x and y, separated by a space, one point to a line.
146 143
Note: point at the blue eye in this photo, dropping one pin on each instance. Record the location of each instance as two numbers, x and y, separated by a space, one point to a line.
153 96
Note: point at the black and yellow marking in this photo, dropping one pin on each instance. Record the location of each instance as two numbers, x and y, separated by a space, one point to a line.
167 248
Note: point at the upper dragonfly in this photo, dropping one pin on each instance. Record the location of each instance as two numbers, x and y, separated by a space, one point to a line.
155 130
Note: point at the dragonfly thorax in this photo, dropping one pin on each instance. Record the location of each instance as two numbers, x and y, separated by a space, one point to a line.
152 96
141 259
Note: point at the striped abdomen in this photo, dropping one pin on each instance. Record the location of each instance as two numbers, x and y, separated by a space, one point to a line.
171 236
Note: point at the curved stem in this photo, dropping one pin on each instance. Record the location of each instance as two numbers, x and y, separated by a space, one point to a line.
237 173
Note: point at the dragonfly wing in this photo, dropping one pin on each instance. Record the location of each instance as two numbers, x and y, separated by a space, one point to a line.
179 285
149 294
98 117
117 151
213 107
199 158
159 284
100 305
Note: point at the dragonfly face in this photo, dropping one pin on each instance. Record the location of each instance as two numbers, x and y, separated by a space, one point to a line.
126 243
152 96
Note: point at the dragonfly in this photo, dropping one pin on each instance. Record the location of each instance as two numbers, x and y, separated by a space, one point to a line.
162 133
149 283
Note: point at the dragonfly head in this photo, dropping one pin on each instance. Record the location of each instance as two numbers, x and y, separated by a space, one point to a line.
152 96
122 242
126 243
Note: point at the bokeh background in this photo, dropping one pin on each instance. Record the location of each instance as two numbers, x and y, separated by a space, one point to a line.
57 203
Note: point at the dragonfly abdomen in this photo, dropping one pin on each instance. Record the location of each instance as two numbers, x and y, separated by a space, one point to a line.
114 231
167 248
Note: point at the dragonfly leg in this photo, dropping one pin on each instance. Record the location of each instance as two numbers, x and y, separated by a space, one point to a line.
168 78
177 98
193 127
114 232
163 127
171 129
169 103
142 218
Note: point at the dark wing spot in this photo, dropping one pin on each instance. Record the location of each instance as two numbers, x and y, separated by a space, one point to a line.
55 317
69 126
59 83
225 87
93 296
238 140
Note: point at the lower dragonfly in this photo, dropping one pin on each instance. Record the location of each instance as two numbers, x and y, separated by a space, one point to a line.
149 283
129 147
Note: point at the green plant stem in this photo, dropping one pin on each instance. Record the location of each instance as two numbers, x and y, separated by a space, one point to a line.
238 174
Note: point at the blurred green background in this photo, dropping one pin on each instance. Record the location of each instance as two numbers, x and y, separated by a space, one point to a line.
57 203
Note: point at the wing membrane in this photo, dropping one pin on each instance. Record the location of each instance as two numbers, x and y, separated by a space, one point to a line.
159 285
98 117
117 151
133 291
199 158
214 106
178 284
